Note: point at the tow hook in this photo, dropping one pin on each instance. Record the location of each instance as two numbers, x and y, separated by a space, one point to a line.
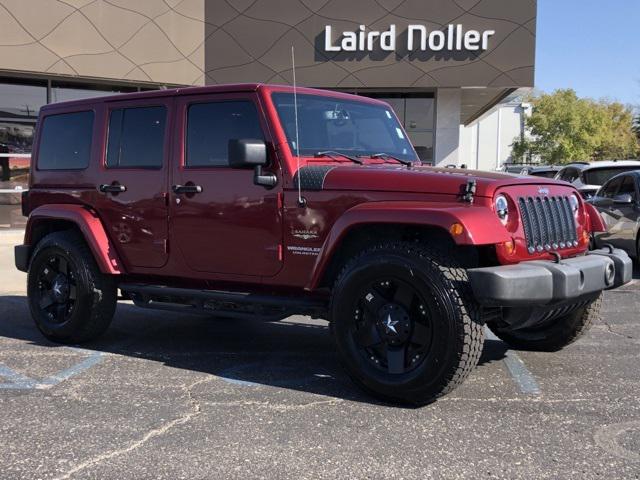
609 246
469 191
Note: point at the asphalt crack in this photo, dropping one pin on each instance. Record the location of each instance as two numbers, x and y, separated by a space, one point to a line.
154 433
276 406
612 331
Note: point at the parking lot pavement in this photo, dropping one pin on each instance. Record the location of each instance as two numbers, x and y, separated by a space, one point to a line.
172 396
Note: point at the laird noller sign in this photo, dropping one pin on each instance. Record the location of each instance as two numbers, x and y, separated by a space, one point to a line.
453 38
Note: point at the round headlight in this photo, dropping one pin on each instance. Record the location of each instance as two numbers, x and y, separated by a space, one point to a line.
575 204
502 207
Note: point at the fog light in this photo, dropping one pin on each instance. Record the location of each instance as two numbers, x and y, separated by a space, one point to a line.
609 274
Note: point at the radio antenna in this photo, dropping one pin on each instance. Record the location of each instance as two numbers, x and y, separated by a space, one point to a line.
301 201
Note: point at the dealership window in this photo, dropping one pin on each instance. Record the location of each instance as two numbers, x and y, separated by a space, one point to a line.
62 92
65 142
417 114
20 102
136 137
210 126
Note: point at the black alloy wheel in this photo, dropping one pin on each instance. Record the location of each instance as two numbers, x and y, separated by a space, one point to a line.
57 289
70 299
393 325
404 322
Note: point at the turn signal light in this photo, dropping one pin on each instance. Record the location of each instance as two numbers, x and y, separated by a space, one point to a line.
456 229
585 236
510 247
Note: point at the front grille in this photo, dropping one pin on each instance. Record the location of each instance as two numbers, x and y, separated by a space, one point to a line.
548 223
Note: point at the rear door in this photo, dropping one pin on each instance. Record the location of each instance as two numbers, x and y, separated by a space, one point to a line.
231 226
133 180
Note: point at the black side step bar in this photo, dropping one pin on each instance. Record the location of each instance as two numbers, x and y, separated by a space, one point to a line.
230 304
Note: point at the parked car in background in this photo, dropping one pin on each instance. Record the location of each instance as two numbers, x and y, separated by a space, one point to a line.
588 177
617 202
515 168
546 171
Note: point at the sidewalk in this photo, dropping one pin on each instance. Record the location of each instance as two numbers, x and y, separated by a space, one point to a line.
12 281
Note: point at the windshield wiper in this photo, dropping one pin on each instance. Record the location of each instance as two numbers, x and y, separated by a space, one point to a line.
383 155
333 154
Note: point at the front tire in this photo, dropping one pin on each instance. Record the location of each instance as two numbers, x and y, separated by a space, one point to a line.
404 322
70 300
553 335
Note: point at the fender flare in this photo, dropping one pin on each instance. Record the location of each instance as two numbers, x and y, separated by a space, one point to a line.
89 225
595 219
480 224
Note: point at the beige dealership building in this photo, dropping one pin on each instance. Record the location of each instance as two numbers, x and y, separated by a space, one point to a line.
442 64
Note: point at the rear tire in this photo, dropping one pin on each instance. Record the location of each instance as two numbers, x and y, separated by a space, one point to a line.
553 336
404 322
70 300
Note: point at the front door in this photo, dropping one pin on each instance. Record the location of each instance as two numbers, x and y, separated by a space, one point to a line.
132 186
220 222
626 215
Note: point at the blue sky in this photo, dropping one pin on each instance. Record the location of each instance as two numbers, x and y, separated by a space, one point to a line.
592 46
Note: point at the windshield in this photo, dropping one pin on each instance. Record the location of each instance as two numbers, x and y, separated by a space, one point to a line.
344 126
599 176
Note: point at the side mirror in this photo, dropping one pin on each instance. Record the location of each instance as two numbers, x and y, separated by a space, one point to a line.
247 153
623 199
251 153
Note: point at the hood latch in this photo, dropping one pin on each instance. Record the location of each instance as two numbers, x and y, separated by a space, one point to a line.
469 190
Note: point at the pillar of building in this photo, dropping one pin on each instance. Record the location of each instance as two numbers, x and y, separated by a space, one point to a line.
447 138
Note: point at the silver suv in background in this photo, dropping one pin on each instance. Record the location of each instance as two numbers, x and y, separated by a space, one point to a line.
588 177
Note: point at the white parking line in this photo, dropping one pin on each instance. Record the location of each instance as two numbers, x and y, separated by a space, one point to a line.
521 375
17 381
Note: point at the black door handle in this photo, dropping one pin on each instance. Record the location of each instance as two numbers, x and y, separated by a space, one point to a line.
187 189
112 188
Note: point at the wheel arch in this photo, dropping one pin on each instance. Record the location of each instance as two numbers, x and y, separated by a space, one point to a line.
380 221
47 219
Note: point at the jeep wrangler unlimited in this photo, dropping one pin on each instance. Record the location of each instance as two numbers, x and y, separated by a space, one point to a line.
258 200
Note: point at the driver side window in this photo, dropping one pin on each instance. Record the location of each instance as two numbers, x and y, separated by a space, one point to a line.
628 187
610 189
211 125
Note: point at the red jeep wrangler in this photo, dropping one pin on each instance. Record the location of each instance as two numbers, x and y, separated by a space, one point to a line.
255 200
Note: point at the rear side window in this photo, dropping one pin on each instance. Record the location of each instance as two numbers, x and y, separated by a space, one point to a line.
598 176
210 126
65 141
136 137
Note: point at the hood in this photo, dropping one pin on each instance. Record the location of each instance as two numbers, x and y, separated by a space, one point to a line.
392 178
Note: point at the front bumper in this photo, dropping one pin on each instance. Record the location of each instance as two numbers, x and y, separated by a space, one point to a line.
545 282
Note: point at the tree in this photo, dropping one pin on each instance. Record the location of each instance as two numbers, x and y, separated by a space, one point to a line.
565 128
636 126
